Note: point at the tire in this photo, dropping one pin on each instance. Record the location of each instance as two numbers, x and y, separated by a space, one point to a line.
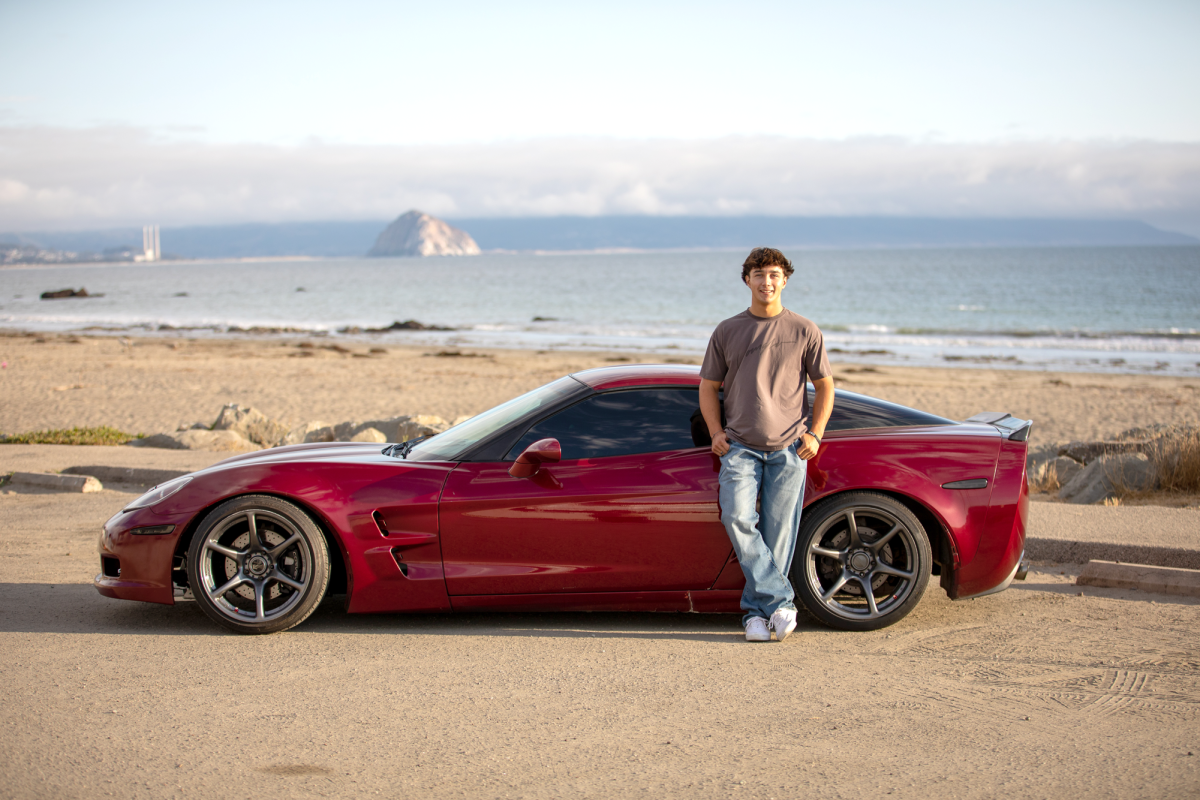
258 564
862 561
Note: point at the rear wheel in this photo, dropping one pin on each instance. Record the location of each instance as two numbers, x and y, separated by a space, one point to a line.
258 564
862 561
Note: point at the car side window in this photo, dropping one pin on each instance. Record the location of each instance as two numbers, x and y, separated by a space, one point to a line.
621 423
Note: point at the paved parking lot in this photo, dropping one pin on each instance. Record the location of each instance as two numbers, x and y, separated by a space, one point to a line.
1036 692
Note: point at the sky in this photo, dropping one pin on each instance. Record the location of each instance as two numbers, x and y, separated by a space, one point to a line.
129 112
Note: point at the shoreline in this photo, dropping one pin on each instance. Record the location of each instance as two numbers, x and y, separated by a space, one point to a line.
1022 351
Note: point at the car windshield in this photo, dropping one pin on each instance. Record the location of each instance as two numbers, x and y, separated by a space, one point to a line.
448 445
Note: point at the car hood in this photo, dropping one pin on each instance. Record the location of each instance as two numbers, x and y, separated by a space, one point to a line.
316 453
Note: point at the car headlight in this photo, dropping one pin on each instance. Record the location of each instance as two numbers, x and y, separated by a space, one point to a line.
159 493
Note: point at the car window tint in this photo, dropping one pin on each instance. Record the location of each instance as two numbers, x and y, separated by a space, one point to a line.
621 423
852 411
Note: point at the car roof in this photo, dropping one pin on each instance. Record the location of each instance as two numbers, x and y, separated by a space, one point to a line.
602 378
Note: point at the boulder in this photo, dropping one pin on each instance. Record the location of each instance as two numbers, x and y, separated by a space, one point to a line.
1110 476
250 423
393 429
299 434
1087 452
369 435
219 441
1037 458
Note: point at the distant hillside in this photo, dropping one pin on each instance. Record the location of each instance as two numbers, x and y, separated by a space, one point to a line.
638 232
591 233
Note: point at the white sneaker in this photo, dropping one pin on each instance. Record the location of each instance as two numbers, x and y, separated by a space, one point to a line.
783 622
757 631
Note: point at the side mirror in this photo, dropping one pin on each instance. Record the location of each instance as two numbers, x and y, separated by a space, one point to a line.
543 451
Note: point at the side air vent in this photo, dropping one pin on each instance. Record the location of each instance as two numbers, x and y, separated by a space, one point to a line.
974 483
399 556
380 523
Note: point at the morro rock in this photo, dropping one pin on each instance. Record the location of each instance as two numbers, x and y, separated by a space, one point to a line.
417 234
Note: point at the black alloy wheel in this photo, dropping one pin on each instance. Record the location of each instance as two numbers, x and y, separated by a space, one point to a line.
258 564
862 561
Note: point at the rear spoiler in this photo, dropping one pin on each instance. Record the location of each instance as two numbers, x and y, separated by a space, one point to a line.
1013 429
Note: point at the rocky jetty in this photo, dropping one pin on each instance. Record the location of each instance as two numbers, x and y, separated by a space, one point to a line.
418 234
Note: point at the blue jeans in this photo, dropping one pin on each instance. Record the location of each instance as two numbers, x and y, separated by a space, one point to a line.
763 543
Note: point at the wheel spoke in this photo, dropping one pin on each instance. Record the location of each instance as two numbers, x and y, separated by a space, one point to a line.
886 537
865 583
228 552
236 580
275 552
837 585
260 590
282 578
255 543
888 569
840 555
852 527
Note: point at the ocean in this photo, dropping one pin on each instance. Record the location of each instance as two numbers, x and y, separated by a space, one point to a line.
1097 309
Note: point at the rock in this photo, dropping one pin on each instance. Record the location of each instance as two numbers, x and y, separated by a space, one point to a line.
219 441
369 435
1087 452
417 234
407 325
299 434
192 426
1042 465
322 434
1109 476
62 294
250 423
1037 458
1065 469
394 429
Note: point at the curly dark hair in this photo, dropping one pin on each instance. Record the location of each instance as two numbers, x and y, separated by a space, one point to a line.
766 257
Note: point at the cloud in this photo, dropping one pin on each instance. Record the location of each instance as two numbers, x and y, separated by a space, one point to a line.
56 178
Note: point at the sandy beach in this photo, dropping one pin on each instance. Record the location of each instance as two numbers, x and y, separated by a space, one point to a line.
149 385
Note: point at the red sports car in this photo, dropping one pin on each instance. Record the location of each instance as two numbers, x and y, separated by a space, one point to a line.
597 492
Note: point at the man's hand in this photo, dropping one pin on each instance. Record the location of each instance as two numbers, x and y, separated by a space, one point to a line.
807 446
710 407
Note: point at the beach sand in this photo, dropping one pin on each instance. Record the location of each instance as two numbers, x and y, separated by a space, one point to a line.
149 385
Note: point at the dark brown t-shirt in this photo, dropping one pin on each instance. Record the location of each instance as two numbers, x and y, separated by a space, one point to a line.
765 364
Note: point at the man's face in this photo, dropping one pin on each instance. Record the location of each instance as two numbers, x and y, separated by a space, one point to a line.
766 283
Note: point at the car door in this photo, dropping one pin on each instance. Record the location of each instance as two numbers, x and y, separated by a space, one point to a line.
632 505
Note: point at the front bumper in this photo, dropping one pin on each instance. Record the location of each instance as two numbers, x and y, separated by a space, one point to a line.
137 566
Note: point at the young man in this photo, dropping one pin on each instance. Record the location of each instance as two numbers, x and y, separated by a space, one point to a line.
764 357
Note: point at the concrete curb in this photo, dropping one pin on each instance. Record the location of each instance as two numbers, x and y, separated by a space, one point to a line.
145 477
54 482
1163 580
1066 551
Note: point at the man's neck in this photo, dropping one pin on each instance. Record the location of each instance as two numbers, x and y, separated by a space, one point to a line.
766 310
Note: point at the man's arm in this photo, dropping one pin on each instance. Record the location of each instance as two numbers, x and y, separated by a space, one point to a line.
822 408
710 407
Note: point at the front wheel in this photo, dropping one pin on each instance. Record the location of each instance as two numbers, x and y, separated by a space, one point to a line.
258 564
862 561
